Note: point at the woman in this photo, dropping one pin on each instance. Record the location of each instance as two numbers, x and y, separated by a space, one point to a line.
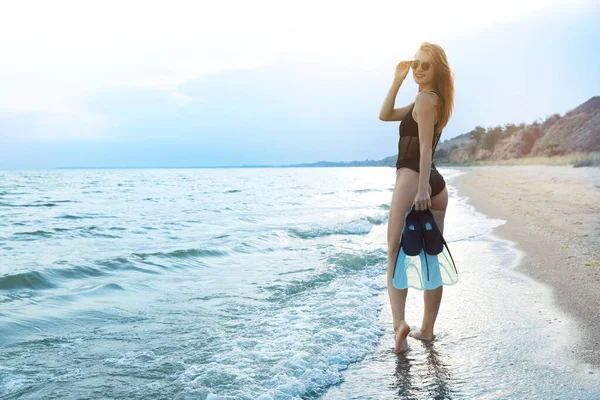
417 180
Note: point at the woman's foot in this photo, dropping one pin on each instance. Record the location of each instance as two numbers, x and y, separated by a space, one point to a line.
426 337
400 333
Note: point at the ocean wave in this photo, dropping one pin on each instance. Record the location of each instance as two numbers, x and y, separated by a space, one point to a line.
7 193
4 204
77 272
71 216
83 216
342 264
99 290
367 190
358 227
249 247
264 242
296 287
49 277
349 262
122 264
26 280
378 219
93 231
82 231
33 235
294 271
52 203
294 350
182 254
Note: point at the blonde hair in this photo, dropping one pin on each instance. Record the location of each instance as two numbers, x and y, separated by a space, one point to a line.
443 82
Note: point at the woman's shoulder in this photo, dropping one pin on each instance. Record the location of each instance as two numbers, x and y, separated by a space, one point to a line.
427 98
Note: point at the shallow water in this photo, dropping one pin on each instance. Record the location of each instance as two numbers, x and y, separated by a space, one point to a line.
255 284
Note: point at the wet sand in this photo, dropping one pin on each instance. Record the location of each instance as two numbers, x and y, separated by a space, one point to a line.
553 215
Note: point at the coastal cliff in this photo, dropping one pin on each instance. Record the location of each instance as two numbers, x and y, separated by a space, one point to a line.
578 131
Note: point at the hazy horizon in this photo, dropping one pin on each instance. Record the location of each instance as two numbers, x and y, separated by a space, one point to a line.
206 85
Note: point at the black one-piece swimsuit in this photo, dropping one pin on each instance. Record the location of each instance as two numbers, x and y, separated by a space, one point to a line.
409 151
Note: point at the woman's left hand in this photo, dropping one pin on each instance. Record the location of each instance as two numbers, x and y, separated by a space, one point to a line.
422 200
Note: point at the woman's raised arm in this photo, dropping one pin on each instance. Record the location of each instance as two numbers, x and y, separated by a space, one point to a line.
388 112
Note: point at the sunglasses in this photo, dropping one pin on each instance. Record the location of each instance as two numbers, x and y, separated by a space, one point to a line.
415 64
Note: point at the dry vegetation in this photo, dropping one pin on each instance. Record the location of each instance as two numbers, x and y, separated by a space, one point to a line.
573 139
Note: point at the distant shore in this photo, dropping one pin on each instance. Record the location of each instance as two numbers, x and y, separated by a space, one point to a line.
552 214
574 159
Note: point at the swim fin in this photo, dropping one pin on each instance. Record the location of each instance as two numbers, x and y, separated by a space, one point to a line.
408 260
424 261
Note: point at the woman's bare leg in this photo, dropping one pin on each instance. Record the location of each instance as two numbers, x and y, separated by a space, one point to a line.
404 194
433 298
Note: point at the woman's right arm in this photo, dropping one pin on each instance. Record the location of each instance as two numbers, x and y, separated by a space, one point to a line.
388 112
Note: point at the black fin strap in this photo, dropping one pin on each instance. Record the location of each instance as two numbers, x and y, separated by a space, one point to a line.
453 263
425 253
397 255
424 248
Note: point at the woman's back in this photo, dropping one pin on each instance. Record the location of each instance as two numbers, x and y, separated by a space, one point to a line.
409 148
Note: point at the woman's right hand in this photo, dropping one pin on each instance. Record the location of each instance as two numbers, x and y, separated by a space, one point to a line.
402 70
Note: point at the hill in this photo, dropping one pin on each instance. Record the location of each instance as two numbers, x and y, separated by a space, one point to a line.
578 131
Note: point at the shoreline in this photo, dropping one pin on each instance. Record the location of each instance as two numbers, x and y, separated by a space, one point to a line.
552 215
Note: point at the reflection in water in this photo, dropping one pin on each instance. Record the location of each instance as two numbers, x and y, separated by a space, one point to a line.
403 377
430 377
440 387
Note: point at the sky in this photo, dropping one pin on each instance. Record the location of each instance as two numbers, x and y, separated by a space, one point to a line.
199 83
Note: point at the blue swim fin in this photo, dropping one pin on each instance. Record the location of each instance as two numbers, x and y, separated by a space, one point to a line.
411 246
430 267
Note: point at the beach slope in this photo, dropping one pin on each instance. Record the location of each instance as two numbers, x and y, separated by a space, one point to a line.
553 214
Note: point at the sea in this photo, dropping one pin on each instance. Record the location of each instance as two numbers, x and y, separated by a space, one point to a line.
257 283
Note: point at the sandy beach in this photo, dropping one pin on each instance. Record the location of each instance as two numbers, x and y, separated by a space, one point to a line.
553 215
